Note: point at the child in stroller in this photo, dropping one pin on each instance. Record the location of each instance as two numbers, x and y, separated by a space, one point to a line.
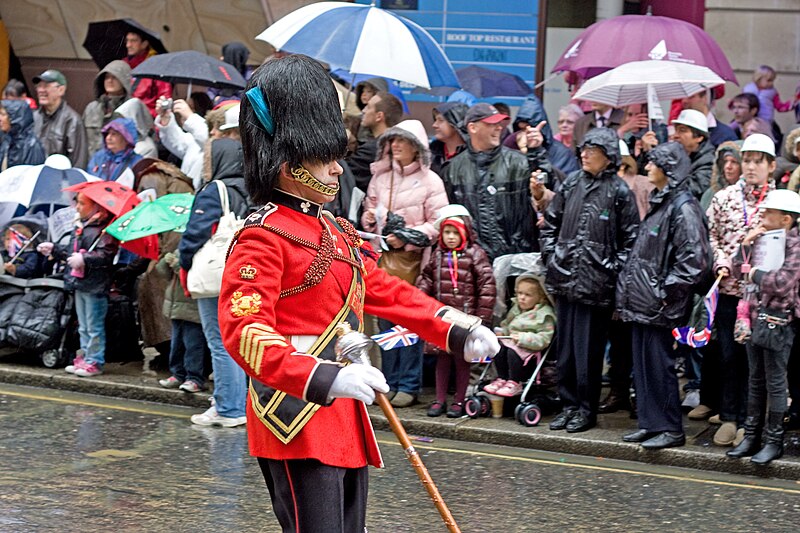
20 238
530 326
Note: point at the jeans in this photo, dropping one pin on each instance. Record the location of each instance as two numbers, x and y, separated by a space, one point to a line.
733 370
767 379
402 366
230 384
187 351
91 310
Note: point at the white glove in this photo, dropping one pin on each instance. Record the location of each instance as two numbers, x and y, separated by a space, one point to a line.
45 248
359 382
480 344
75 261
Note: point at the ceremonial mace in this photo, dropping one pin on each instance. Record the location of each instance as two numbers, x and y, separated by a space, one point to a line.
352 346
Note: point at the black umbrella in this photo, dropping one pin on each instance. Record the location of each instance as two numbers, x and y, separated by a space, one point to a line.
105 40
190 67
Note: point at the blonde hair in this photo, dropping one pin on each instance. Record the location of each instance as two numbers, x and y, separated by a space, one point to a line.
763 71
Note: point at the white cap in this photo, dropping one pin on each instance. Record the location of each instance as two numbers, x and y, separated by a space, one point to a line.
758 142
231 118
693 119
450 211
782 200
623 149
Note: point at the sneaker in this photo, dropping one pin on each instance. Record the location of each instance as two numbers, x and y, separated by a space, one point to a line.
456 411
701 412
726 434
88 370
511 388
494 386
170 383
76 364
691 400
190 386
436 409
212 418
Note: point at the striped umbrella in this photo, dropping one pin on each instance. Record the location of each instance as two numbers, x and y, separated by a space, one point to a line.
628 84
363 40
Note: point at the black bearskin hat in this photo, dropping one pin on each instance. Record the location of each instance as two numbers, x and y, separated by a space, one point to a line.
303 112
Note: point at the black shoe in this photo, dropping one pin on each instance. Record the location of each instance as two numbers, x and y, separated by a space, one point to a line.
436 409
562 419
639 435
768 453
580 422
456 411
614 402
663 440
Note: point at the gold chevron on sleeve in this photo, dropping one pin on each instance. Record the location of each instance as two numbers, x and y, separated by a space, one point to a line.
255 339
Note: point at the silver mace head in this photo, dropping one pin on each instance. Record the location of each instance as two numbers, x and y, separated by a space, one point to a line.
352 346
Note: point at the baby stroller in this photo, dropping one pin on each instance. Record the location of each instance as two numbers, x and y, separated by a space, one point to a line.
536 399
35 314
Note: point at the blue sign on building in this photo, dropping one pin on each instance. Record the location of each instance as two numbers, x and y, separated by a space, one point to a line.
499 35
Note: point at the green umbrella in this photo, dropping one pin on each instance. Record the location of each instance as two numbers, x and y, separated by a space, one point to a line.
167 213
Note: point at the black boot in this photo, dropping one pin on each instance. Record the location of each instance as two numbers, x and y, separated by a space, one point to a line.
773 440
752 438
616 400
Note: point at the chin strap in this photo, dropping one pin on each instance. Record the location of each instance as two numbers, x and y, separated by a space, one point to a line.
305 177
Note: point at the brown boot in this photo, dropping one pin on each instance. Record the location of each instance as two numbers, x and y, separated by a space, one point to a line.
615 401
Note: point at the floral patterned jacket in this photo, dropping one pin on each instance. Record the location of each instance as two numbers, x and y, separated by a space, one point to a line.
535 327
728 223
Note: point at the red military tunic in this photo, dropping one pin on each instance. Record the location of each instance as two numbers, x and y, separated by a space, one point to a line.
257 324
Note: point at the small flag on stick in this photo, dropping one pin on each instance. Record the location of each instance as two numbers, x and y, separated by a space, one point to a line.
396 337
689 335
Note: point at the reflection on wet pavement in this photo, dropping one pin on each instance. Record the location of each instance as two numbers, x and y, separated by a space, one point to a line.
84 463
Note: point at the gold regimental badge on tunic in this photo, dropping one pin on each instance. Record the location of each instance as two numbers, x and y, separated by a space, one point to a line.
248 272
242 305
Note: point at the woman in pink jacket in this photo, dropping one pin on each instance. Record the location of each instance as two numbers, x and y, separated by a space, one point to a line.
403 184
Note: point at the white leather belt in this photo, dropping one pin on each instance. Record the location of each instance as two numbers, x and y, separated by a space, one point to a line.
303 343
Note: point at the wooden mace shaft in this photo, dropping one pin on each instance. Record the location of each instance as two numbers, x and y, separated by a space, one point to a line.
416 462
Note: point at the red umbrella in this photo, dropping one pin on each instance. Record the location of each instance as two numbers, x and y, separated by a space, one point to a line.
613 42
118 200
109 195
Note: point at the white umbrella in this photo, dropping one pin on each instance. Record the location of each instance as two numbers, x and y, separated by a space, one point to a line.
629 83
363 40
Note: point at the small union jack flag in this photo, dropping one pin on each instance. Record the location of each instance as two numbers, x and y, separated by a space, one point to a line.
689 335
396 337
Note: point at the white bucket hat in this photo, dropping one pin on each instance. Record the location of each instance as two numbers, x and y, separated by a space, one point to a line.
758 142
693 119
450 211
782 200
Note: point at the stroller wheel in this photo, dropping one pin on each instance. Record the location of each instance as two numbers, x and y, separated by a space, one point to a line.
530 415
486 406
518 411
473 407
52 358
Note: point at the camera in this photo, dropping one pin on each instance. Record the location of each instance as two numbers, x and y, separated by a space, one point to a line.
541 177
166 104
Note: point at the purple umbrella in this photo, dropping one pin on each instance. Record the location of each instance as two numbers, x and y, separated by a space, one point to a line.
613 42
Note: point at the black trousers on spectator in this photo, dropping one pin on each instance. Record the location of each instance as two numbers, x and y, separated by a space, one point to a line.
730 374
311 497
582 336
654 377
620 356
793 376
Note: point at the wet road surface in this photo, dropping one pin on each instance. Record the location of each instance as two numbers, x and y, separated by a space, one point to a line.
73 462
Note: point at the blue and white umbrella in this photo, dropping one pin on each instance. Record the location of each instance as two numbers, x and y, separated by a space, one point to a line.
363 40
39 184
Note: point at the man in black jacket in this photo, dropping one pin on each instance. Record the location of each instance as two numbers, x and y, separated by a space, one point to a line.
492 182
590 226
654 292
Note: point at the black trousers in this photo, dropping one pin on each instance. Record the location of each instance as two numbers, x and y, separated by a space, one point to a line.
582 336
729 371
620 357
310 497
657 398
509 365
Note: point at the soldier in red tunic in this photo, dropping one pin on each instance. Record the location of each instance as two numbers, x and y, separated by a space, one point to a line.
292 275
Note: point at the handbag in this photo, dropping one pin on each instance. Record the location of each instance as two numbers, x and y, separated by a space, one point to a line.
404 264
204 279
772 330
